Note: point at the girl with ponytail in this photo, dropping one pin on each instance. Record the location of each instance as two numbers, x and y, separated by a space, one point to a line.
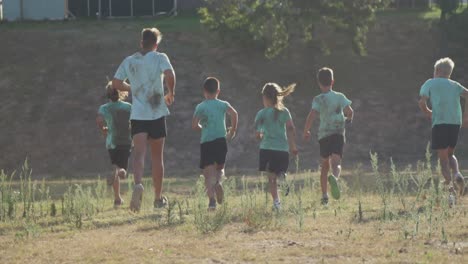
277 134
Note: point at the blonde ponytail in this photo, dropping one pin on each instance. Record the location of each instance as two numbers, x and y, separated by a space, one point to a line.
275 94
288 90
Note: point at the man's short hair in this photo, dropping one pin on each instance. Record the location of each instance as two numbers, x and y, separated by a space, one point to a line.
211 85
444 66
325 76
150 37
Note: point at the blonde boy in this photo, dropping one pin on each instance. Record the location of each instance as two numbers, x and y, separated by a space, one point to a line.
446 115
148 70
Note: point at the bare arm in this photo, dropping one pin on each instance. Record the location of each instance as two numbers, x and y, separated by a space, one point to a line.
234 119
348 112
465 112
423 106
196 124
121 85
465 93
291 132
101 124
170 81
308 125
258 126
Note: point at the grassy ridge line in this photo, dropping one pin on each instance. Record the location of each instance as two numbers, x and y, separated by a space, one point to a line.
185 22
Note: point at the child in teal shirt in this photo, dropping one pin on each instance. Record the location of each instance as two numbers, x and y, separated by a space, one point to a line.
210 119
114 121
333 109
446 115
276 130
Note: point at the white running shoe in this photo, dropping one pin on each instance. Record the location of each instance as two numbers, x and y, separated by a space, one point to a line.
276 206
122 173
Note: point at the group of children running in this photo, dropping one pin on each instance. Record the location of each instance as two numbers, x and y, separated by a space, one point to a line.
144 122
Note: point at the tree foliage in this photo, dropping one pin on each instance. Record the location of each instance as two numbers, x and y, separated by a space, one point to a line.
274 24
447 7
456 28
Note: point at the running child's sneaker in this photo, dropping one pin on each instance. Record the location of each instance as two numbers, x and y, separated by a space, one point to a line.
276 206
118 203
459 181
212 205
335 189
122 173
137 197
219 193
161 203
324 201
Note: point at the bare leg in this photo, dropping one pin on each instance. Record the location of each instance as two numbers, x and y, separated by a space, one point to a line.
209 172
157 161
273 187
219 173
139 153
116 186
325 168
445 165
218 187
335 161
453 161
459 181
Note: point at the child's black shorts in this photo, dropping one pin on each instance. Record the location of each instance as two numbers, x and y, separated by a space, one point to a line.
155 129
119 156
213 152
444 136
274 161
332 144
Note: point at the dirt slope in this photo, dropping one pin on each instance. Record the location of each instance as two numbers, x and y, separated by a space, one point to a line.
52 78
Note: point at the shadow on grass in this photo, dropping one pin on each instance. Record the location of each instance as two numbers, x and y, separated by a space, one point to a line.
59 224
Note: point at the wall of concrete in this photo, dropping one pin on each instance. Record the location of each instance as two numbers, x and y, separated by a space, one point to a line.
34 9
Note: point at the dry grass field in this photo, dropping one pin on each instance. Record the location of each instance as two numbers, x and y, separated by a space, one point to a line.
405 222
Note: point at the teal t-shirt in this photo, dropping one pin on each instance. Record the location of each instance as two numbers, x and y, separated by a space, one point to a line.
212 116
330 105
444 95
117 117
272 123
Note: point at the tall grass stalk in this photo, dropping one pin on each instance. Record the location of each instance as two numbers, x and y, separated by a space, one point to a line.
380 184
204 220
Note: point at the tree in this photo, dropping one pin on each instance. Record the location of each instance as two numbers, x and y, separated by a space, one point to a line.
447 7
274 24
447 19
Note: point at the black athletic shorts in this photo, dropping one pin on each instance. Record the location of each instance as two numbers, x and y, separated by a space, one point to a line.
274 161
213 152
444 136
332 144
119 156
155 129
